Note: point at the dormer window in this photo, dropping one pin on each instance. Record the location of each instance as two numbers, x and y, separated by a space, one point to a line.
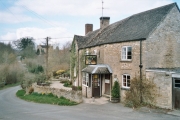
126 53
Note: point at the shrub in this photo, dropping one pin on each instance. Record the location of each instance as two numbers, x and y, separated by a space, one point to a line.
115 90
67 84
149 93
76 88
31 90
11 73
59 72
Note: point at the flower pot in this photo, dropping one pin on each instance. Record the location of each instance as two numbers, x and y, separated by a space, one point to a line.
114 100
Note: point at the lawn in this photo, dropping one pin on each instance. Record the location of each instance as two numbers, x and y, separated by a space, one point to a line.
45 98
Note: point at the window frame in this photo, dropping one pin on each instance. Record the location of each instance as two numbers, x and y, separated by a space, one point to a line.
126 81
124 54
86 79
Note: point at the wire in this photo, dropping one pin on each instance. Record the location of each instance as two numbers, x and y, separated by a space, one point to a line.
40 17
10 11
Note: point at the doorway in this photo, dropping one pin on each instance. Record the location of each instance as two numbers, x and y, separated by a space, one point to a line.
176 93
95 86
107 84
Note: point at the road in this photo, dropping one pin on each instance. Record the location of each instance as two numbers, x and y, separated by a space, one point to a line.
13 108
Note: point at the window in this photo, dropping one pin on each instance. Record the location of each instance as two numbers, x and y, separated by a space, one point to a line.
75 71
126 53
177 83
126 81
85 79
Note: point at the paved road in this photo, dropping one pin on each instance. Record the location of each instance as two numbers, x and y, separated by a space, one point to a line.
13 108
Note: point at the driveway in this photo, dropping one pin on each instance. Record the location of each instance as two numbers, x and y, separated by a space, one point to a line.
13 108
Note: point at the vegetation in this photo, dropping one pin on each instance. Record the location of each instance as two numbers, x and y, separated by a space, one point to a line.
76 88
23 43
149 93
115 90
45 98
59 59
10 73
9 85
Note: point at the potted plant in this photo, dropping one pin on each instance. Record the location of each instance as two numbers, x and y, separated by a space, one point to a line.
115 93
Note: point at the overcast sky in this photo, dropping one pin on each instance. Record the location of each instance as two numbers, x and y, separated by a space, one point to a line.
61 19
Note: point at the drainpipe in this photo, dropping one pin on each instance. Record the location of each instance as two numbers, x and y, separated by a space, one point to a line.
140 66
110 85
78 67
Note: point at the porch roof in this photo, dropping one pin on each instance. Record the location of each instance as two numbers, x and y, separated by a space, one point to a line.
97 69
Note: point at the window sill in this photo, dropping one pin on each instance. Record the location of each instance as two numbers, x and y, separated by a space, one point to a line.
85 85
126 60
123 88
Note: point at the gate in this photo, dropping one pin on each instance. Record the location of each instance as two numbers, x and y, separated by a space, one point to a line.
176 93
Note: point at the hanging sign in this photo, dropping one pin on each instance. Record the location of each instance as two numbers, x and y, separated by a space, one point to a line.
91 59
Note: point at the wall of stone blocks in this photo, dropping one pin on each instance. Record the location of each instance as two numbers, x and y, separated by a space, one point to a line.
163 81
163 45
69 94
87 93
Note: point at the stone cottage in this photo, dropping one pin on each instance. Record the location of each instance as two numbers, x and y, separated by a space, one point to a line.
152 36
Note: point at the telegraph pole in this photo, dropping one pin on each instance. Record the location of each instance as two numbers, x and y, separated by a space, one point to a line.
47 52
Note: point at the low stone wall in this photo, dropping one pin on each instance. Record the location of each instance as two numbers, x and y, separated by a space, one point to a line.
69 94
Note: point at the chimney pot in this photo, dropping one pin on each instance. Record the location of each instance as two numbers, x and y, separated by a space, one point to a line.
88 28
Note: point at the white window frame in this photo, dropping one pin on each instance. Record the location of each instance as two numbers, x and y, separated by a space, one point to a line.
126 86
124 53
75 71
85 79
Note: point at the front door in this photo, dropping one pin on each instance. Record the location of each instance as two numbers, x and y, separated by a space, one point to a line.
107 84
176 93
95 86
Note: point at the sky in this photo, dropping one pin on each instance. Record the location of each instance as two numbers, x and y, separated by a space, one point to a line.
62 19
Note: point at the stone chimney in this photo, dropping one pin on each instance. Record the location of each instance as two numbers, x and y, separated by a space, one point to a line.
88 28
104 21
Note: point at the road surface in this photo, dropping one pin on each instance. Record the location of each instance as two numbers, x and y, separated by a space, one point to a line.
13 108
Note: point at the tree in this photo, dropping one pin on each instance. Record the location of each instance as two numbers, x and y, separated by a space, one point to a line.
26 47
22 43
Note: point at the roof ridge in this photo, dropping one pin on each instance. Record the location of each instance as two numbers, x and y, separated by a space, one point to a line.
154 9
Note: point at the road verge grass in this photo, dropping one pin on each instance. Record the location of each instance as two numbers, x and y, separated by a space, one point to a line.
45 98
9 85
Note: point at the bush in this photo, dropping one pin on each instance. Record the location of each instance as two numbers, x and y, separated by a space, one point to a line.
149 93
59 72
31 90
11 73
115 90
67 84
76 88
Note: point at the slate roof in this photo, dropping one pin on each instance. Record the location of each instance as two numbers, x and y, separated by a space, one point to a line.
97 69
136 27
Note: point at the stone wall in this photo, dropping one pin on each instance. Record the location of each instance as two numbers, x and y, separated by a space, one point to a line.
163 45
69 94
163 81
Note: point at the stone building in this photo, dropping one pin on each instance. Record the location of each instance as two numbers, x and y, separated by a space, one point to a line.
153 36
42 48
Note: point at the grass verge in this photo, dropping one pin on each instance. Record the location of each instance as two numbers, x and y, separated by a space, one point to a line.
44 98
10 85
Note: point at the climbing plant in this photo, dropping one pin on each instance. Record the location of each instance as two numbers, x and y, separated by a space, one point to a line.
133 95
73 59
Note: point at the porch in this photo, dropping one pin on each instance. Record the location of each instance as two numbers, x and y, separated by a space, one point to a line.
97 81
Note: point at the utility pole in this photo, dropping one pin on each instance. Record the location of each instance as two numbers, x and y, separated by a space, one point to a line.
47 52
